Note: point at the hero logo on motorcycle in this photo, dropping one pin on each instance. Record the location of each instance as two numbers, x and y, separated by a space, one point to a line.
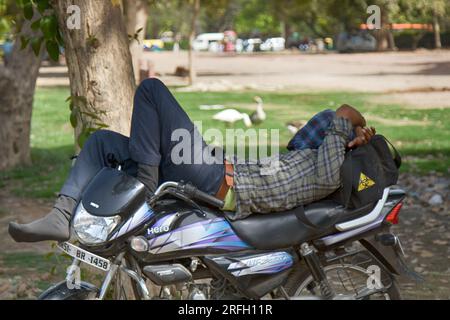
158 230
162 225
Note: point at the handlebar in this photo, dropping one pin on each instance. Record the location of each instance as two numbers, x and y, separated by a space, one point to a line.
195 193
165 186
190 191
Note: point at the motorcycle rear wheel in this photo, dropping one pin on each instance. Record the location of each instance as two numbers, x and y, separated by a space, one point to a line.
348 277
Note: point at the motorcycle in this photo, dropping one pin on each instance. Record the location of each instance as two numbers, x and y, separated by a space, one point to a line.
180 245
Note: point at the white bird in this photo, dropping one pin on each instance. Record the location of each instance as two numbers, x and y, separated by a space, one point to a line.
231 116
292 129
259 116
295 126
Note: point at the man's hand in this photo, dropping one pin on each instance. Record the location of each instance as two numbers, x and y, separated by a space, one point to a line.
350 113
363 136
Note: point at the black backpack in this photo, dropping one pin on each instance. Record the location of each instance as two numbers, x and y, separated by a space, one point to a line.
366 172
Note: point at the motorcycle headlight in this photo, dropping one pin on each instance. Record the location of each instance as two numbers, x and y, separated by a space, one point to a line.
92 230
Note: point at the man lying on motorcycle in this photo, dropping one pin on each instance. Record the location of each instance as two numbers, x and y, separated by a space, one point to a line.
308 173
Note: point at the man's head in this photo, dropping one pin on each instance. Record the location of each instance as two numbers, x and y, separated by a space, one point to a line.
348 112
363 133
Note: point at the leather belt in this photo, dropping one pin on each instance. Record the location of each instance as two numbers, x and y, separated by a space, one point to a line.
228 181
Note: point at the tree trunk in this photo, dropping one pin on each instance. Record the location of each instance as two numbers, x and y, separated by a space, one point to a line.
100 67
286 31
192 71
384 36
391 40
17 88
437 31
136 14
415 40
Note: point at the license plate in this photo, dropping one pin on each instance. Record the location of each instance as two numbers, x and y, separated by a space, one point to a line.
85 256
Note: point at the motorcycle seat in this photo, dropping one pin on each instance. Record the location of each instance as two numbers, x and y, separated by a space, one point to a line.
293 227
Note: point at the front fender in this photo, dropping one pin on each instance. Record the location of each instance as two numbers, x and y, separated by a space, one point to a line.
60 291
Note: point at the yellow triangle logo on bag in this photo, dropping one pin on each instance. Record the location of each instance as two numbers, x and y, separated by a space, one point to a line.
365 182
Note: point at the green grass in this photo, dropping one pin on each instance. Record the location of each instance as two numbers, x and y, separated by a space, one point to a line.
27 261
421 135
52 146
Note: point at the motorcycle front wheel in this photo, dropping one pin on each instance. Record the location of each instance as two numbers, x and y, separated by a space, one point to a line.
121 288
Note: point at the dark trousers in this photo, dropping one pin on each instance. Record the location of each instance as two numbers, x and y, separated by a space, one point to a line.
156 115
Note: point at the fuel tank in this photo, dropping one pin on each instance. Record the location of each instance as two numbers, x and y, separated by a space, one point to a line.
178 230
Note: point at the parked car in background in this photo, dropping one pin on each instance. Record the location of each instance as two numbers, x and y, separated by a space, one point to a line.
153 45
167 36
208 42
274 44
239 45
360 41
252 45
305 44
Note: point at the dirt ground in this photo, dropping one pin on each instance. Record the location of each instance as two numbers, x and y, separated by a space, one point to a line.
424 231
419 78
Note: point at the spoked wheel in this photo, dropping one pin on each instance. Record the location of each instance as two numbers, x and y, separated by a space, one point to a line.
122 287
351 277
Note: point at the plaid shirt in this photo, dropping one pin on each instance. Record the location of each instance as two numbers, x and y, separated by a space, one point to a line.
296 178
311 136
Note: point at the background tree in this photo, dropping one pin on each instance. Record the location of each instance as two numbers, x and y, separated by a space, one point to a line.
256 19
136 17
438 11
427 12
102 82
17 87
169 15
384 36
8 12
219 15
195 14
309 16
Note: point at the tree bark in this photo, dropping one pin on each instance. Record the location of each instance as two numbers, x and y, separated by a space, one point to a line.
192 71
384 36
391 39
286 31
17 88
437 31
99 62
136 14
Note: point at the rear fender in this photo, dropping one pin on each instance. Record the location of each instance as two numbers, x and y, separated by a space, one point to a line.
390 256
60 291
